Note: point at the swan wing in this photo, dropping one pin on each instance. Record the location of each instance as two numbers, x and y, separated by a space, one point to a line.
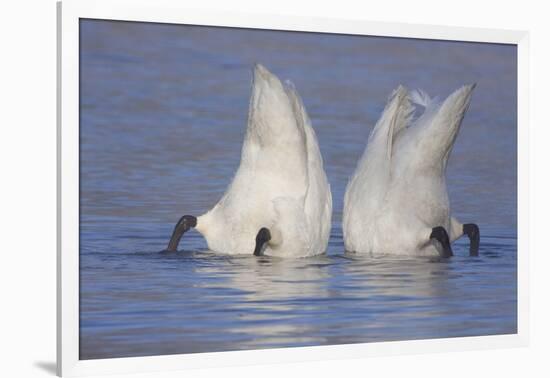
274 157
292 228
448 119
273 164
318 198
369 184
272 123
429 140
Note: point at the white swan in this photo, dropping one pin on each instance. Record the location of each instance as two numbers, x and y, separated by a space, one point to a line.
396 202
279 202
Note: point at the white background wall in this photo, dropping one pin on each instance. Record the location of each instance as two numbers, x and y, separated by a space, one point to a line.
27 207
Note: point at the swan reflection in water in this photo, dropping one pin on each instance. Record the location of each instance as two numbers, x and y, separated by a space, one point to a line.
200 301
300 302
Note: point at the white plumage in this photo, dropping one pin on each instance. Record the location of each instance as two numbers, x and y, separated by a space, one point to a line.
398 193
280 183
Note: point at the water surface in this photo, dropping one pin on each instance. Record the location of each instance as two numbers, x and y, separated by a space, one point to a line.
163 114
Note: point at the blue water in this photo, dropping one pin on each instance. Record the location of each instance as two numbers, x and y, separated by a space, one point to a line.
162 118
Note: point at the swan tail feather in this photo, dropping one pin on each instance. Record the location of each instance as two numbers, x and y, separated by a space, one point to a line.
420 97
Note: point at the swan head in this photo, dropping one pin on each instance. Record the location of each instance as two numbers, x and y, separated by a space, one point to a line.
184 224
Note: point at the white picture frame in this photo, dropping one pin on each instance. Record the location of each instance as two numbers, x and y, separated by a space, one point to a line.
164 11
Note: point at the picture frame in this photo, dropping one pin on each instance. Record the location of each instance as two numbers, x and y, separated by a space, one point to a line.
69 14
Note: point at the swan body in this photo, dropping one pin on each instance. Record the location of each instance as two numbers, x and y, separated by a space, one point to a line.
280 186
396 201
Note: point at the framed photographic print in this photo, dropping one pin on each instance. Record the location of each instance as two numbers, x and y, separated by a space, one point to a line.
240 189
